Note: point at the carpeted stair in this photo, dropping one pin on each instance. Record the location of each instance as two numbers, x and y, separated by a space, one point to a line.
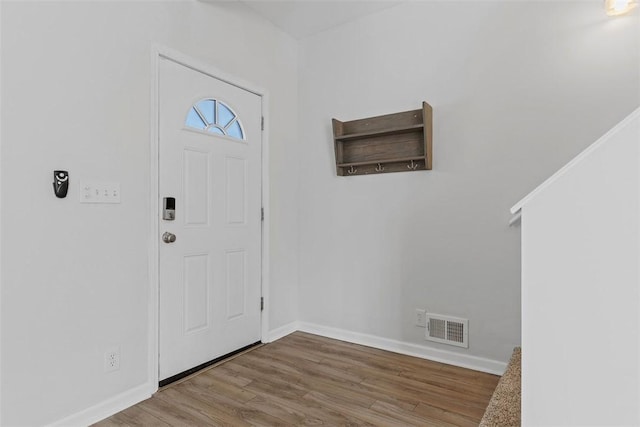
504 406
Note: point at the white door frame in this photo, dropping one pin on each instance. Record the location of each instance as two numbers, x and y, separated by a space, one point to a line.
157 53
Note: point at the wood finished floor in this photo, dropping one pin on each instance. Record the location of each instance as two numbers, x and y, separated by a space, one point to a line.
304 379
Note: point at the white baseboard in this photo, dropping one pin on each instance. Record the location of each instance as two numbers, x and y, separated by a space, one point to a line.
282 331
415 350
107 408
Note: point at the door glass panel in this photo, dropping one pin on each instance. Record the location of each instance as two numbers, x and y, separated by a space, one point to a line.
235 130
207 108
225 115
194 120
215 117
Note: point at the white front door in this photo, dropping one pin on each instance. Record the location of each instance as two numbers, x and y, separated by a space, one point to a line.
210 163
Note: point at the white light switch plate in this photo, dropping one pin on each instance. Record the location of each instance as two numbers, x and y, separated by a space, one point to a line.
99 192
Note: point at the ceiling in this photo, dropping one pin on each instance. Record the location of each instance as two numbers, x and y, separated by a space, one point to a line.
302 18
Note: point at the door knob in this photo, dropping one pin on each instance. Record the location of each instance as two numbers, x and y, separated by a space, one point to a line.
168 237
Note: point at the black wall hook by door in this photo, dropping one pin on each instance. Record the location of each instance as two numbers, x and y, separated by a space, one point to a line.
60 183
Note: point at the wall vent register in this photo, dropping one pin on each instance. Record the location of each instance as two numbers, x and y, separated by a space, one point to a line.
214 116
447 330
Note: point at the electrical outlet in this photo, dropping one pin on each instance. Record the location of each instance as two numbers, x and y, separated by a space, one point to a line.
112 359
421 318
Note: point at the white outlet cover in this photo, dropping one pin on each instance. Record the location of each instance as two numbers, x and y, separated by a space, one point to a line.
112 359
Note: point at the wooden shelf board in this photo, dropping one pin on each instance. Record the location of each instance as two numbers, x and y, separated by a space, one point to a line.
382 161
391 131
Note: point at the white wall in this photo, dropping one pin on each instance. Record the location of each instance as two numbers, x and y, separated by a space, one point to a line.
517 90
580 290
76 96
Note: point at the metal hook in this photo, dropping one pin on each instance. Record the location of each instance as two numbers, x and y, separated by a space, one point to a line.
412 166
380 168
352 170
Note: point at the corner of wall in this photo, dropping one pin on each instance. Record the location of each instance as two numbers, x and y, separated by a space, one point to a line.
283 331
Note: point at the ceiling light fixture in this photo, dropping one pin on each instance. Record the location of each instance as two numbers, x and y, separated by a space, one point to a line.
619 7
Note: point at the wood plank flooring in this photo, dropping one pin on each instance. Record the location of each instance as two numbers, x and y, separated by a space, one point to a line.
304 379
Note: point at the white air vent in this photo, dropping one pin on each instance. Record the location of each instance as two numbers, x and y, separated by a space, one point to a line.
447 330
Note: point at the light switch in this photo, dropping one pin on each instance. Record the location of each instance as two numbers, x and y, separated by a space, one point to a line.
99 192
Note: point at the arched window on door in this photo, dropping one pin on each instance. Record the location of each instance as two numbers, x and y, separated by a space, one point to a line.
214 116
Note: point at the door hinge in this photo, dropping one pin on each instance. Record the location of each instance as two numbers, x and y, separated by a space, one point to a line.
261 303
261 214
262 122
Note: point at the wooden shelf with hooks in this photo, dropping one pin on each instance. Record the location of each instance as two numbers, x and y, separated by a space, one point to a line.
399 142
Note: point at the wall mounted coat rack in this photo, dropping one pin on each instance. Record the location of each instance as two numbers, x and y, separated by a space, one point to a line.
399 142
